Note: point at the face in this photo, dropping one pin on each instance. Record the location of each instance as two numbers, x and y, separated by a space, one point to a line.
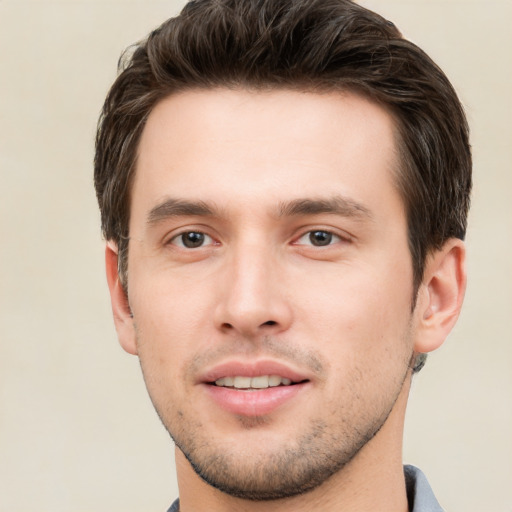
270 282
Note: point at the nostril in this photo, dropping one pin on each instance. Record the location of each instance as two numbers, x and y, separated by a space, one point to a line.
270 322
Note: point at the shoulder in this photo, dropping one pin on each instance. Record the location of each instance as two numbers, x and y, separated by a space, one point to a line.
419 493
175 507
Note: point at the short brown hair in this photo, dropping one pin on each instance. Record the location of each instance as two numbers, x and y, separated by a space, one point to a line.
311 45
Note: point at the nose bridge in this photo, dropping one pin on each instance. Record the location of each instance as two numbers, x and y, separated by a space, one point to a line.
253 299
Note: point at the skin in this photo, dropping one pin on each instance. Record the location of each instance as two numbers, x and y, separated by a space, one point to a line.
252 175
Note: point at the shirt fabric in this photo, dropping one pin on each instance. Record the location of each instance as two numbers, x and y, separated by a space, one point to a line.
419 494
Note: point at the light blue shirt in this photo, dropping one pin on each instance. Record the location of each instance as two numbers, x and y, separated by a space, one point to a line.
419 493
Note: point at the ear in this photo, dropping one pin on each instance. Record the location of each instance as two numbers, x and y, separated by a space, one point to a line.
123 318
440 295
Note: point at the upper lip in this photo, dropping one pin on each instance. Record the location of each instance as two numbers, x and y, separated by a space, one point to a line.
252 369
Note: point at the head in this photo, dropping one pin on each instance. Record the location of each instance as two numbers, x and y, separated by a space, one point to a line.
309 45
235 63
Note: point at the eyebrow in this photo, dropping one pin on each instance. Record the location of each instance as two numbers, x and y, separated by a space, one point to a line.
336 205
171 207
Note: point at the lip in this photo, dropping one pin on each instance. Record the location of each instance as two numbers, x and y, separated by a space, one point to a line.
253 403
252 369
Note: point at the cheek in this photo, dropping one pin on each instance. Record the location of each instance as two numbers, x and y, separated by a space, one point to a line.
171 318
356 311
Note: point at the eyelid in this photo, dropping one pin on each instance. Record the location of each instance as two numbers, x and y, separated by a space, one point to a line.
177 234
178 240
340 236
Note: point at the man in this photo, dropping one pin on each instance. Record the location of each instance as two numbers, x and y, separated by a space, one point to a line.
284 187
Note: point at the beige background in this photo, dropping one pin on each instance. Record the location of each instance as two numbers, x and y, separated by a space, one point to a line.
77 432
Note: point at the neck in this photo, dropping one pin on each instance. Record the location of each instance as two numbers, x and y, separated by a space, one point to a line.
373 480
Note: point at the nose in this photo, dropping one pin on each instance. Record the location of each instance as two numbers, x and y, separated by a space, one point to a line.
252 296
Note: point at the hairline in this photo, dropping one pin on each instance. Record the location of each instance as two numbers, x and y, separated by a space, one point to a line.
400 152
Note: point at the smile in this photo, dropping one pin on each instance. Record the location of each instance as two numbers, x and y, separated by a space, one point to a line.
254 388
259 382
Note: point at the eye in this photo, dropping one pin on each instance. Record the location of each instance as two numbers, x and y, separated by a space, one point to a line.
192 240
318 238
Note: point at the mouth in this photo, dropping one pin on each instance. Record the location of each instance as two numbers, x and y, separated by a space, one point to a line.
254 389
254 383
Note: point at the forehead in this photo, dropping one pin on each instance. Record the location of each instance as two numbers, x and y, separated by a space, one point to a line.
241 146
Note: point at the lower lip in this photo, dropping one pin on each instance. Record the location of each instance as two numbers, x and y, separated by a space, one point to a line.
255 402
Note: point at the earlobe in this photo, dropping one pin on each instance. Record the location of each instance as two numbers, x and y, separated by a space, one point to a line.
123 318
441 295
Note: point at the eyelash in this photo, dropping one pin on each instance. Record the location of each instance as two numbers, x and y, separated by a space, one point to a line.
175 240
330 238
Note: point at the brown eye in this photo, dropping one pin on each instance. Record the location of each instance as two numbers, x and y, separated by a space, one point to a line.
192 240
320 238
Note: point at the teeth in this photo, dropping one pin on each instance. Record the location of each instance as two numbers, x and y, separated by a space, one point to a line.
274 380
242 382
260 382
